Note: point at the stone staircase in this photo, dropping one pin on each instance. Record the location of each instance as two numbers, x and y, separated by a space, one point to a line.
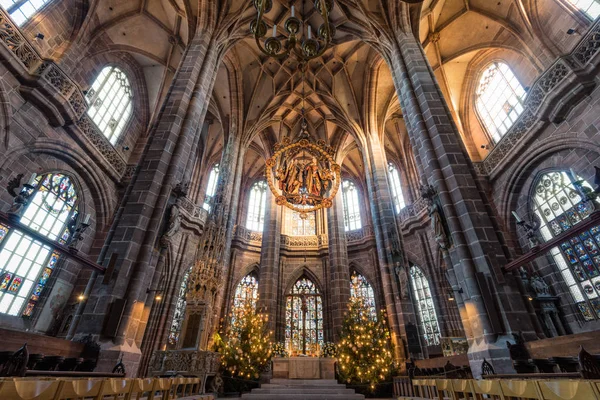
299 389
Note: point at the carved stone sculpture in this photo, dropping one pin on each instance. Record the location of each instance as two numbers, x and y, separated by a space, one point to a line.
539 286
403 278
174 222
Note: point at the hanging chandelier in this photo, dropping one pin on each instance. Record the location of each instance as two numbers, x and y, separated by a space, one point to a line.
312 46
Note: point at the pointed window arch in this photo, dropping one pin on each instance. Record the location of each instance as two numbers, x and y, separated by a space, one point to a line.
246 292
110 102
559 206
425 307
361 288
25 263
499 99
396 187
257 202
179 315
211 187
22 10
351 206
591 8
304 318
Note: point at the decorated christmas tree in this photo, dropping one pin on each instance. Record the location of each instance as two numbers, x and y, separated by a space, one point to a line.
364 350
245 348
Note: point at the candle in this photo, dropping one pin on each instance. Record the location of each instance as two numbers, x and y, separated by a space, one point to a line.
519 220
309 32
293 11
274 30
32 179
86 220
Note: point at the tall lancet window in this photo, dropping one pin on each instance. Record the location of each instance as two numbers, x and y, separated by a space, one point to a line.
255 219
22 10
304 318
111 102
351 206
559 207
425 307
211 187
499 99
246 292
591 8
396 187
361 289
26 263
178 316
297 226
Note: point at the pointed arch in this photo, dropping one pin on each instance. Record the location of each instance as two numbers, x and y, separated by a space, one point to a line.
304 317
423 300
361 289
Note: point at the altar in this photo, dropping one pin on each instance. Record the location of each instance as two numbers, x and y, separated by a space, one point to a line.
304 368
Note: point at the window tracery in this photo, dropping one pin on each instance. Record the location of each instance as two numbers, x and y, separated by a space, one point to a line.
111 102
559 206
246 292
591 8
211 187
179 315
362 289
25 263
304 318
255 219
396 186
298 226
425 307
499 99
352 219
22 10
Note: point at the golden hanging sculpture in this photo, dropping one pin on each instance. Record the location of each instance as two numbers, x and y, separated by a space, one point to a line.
303 175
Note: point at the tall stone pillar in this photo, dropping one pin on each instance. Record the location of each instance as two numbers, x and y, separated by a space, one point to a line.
121 292
339 269
491 299
268 276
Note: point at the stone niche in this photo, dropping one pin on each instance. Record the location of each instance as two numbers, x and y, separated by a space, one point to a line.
304 368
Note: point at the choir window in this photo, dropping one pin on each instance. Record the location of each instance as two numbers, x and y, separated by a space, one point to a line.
211 188
255 220
396 186
351 208
591 8
361 289
111 102
26 263
298 226
425 307
559 206
22 10
499 99
246 293
304 318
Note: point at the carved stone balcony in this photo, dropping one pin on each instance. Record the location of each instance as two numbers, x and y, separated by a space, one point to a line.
194 216
61 100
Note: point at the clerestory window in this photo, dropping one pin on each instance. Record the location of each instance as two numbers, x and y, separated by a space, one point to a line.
22 10
396 186
351 206
591 8
257 202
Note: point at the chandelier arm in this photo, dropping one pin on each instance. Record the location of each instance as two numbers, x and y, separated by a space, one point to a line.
261 12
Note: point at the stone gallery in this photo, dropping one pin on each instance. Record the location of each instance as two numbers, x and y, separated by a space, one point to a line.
299 198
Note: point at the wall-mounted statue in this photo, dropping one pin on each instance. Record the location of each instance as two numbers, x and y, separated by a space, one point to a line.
403 279
436 214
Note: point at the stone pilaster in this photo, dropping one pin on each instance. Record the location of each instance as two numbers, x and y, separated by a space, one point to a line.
268 276
338 267
134 233
477 254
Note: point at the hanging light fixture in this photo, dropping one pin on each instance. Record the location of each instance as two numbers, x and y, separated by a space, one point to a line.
304 47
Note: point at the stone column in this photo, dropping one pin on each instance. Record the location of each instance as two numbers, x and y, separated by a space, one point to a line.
477 253
268 276
388 241
134 233
338 269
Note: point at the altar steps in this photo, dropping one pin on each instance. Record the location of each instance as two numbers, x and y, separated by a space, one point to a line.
298 389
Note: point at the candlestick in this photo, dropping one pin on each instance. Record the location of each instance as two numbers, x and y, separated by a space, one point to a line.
293 11
519 220
32 179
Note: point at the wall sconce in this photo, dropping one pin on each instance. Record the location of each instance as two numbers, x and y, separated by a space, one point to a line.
39 36
78 231
158 295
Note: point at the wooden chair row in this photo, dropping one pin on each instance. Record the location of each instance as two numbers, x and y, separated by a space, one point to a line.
557 389
99 389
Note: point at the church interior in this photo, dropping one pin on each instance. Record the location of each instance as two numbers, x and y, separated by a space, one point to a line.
299 199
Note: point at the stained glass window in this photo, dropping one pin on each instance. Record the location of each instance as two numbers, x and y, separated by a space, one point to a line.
396 187
298 226
246 292
559 206
179 315
425 307
591 8
255 220
22 10
25 263
304 318
362 289
351 207
110 99
499 99
211 188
